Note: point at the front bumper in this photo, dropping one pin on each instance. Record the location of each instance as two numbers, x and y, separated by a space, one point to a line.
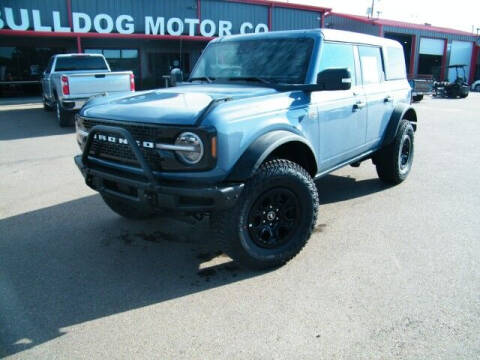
148 190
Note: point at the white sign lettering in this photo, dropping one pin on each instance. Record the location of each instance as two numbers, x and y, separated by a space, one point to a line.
37 22
175 26
57 26
207 28
105 26
125 28
25 23
191 25
245 26
21 20
78 19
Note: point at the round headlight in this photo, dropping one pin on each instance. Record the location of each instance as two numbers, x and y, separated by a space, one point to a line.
193 148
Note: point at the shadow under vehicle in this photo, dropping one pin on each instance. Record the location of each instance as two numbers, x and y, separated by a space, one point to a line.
457 88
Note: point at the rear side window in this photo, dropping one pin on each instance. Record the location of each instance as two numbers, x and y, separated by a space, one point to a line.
372 65
394 63
72 63
338 56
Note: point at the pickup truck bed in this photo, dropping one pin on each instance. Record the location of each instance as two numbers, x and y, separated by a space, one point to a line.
71 79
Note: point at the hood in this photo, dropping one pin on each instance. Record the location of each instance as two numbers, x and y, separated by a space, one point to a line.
181 105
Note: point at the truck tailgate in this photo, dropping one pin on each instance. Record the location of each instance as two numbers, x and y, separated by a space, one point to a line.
84 85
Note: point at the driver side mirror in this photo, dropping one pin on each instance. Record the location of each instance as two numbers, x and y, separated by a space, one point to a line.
334 79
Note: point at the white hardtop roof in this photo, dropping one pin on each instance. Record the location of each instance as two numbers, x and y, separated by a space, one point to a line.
354 37
326 34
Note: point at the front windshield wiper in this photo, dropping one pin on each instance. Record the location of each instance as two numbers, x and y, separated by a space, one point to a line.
251 78
202 78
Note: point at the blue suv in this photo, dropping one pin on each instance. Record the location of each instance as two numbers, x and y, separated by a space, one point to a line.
260 118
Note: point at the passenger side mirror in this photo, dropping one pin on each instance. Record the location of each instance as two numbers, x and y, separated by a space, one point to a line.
334 79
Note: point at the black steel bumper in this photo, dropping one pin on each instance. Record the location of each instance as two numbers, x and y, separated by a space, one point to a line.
148 190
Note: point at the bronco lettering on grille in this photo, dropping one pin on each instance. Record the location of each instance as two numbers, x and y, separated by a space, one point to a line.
113 139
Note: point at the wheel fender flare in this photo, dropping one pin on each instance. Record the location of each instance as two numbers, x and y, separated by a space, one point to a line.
259 150
400 112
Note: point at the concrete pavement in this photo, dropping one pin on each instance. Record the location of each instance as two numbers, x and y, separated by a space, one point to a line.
390 272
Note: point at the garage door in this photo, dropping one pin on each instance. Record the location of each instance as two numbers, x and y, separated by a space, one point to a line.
431 46
460 54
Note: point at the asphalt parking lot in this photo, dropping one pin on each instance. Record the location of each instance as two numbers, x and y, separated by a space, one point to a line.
390 272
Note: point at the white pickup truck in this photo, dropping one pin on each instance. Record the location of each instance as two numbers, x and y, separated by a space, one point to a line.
70 79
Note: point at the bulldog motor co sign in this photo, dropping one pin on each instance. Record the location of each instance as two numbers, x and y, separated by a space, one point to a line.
24 19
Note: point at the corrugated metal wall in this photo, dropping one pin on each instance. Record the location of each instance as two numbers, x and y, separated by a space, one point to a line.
44 6
237 13
291 19
431 34
342 23
138 9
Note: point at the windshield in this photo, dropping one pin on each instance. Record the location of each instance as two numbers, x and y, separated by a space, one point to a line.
72 63
272 60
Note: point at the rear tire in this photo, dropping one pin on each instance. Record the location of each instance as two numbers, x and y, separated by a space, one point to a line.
127 209
394 162
273 219
64 118
418 98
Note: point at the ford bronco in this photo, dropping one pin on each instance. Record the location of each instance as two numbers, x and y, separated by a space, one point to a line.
260 118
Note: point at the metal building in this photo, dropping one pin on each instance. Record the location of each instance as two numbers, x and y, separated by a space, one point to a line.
140 35
146 36
429 50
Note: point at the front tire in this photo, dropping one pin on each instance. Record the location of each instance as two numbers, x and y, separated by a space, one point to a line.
394 162
126 209
273 219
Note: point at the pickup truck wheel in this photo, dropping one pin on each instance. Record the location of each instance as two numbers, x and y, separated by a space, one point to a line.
64 118
273 218
126 209
394 162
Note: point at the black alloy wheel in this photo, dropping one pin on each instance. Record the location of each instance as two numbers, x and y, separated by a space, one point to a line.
274 218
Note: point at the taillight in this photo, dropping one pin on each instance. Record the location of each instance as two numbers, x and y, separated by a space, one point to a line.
132 82
65 86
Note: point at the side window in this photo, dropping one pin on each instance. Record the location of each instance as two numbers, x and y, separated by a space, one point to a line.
49 66
395 63
372 65
337 56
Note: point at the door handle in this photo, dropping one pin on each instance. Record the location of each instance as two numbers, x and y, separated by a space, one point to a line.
388 99
359 105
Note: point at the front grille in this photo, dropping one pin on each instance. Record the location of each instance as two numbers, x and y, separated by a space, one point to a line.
122 153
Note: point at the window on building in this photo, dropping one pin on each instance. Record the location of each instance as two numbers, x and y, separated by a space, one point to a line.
372 64
338 56
120 59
